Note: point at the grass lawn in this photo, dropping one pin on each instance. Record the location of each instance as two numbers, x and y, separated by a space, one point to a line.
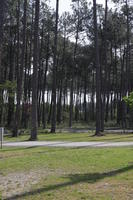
72 174
75 137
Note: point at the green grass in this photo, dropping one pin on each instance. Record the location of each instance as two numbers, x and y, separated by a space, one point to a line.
72 174
75 137
81 124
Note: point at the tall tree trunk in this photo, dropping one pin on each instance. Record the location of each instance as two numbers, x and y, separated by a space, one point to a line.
35 73
127 50
15 127
108 86
85 93
20 71
44 82
11 78
59 110
40 77
92 115
2 10
98 76
73 67
105 68
53 120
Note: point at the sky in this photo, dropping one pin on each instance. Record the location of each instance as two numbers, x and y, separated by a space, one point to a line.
64 5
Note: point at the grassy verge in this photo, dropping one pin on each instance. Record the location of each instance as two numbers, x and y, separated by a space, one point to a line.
75 137
74 174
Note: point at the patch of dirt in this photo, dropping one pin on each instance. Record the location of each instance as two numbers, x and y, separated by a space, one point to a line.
16 183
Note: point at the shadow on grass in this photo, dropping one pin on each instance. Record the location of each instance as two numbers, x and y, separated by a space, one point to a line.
9 149
82 138
73 179
39 150
122 139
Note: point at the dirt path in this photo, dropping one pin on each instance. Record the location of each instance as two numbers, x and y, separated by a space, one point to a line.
66 144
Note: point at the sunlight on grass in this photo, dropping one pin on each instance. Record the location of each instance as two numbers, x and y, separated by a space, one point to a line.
74 173
75 137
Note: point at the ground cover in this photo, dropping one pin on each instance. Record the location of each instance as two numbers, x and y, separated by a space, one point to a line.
74 137
59 173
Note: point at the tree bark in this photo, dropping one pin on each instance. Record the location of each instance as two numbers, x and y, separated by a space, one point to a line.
98 76
34 121
53 120
20 71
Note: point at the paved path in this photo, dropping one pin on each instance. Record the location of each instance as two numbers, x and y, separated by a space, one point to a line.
85 130
66 144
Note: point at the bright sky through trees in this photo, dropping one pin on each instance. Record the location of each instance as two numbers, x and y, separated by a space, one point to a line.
65 4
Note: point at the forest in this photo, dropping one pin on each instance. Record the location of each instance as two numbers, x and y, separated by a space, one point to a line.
63 69
66 100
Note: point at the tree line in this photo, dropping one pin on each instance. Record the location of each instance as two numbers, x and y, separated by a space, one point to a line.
63 68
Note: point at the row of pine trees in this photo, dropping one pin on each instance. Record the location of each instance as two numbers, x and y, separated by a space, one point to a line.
63 68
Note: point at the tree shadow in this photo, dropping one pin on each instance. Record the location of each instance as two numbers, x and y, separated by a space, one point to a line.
12 149
43 151
118 138
73 179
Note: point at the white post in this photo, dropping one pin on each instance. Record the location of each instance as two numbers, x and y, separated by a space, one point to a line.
1 135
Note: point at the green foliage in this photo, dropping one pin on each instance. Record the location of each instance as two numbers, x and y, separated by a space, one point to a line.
129 100
8 85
